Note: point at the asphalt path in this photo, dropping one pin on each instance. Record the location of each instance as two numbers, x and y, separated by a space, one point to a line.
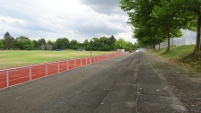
125 84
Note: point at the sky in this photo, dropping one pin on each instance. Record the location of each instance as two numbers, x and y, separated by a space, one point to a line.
73 19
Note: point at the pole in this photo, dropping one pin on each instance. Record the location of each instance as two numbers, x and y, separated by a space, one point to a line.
7 77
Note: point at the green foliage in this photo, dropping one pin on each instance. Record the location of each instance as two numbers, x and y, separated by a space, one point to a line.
24 43
98 44
120 44
50 42
8 41
129 46
86 45
73 44
1 44
41 41
102 43
156 20
61 43
36 45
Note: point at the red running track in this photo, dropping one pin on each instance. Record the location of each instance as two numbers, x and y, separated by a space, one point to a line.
14 76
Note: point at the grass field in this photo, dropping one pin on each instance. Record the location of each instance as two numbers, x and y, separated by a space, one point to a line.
184 56
21 58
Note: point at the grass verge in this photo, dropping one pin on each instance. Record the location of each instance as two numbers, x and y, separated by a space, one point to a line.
183 55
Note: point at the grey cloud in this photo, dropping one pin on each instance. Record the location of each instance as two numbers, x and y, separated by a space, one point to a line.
98 30
40 19
103 6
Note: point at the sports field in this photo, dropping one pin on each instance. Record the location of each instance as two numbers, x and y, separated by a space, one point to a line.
22 58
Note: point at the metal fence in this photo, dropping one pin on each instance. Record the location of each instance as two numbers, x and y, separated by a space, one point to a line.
188 38
14 76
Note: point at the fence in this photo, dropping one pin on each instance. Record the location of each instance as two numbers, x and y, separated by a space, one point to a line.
188 38
14 76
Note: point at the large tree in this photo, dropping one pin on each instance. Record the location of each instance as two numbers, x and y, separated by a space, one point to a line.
74 44
86 45
189 12
112 41
120 44
8 41
24 43
169 16
41 41
1 44
62 43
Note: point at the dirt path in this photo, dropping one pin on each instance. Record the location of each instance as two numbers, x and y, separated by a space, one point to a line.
135 83
185 87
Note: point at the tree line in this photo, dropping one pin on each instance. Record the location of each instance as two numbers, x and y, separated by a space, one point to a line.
155 21
98 44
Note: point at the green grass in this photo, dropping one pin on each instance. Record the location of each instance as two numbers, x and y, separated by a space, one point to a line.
183 55
21 58
176 52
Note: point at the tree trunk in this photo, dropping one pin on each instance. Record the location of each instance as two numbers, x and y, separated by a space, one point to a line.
159 46
168 45
154 46
197 46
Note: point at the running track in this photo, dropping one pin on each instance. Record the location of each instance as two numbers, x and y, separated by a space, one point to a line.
14 76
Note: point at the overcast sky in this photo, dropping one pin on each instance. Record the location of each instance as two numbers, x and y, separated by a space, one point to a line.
73 19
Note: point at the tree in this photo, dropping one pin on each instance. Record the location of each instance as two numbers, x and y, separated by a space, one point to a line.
86 45
73 44
8 41
104 44
94 43
36 44
62 43
189 12
24 43
50 42
1 44
41 41
112 41
120 44
167 15
144 25
129 46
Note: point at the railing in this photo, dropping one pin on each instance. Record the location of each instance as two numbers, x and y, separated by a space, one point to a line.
15 76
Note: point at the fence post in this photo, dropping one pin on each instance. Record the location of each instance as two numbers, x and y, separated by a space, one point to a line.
30 73
74 63
81 61
46 70
7 77
67 64
58 66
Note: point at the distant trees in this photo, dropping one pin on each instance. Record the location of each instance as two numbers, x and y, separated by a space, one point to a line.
98 44
86 45
24 43
120 44
8 41
61 43
1 44
73 44
103 43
